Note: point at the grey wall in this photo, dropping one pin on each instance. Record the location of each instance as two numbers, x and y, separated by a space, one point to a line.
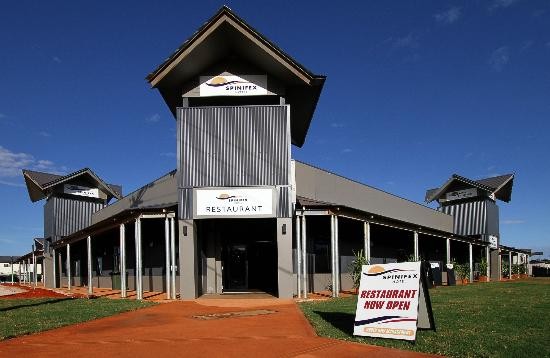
64 216
234 146
320 185
159 193
474 217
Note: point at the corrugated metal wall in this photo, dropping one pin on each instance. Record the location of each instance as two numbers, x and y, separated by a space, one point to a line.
48 218
233 147
473 218
69 215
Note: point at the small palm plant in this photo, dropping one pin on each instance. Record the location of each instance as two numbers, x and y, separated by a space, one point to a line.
356 266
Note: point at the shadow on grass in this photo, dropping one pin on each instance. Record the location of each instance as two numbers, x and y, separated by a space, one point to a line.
339 320
34 304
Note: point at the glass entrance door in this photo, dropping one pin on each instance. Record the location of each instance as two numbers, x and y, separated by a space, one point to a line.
236 268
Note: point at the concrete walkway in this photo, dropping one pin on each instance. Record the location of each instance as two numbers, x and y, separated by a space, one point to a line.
7 289
205 328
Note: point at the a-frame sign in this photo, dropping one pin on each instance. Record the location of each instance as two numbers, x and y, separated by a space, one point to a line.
393 301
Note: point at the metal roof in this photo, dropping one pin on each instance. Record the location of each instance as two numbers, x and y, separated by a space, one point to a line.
5 259
40 185
224 34
160 193
500 186
321 188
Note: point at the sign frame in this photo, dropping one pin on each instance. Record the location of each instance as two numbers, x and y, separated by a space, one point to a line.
221 190
79 190
233 85
407 307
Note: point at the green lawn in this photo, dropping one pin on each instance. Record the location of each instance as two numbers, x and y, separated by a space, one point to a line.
23 316
495 319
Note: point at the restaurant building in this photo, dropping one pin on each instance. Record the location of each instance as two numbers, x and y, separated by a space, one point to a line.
238 214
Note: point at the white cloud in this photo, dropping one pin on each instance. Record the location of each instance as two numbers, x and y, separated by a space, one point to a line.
409 41
512 222
346 150
497 4
448 17
154 118
168 154
337 125
44 134
526 45
56 59
12 163
9 183
2 115
499 58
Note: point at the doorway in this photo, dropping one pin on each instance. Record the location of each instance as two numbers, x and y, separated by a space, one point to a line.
241 253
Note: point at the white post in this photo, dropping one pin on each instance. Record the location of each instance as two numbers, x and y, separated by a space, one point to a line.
90 284
298 255
488 259
333 255
68 266
416 254
54 266
167 256
337 255
173 256
123 283
34 275
137 236
366 238
304 256
12 270
448 251
471 264
19 269
510 265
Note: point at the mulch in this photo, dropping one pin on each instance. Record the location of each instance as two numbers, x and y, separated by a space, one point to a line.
36 293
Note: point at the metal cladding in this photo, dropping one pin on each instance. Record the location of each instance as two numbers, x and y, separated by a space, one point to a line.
234 147
474 217
185 208
64 216
284 205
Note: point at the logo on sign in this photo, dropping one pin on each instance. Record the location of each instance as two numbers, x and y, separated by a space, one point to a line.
231 85
461 194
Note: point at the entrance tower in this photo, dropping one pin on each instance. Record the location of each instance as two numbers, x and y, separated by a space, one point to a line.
240 102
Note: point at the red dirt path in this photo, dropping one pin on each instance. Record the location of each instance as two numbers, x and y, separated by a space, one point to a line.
169 330
33 293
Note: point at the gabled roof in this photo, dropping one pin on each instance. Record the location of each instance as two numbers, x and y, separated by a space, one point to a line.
40 185
499 186
224 35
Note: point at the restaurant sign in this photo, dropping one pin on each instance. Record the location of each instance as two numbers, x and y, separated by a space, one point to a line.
393 301
231 202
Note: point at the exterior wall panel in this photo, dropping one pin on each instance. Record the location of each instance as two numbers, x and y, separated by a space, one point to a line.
49 219
239 146
233 146
70 215
320 185
474 217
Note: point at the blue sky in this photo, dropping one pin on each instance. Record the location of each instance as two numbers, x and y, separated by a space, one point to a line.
415 92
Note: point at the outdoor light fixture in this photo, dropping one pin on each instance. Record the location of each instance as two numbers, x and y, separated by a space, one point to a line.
284 229
185 231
